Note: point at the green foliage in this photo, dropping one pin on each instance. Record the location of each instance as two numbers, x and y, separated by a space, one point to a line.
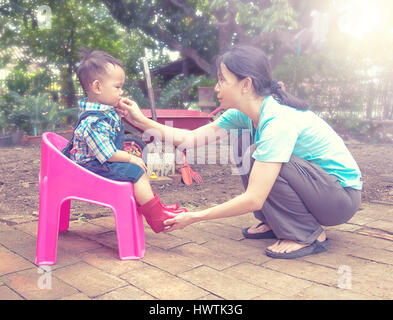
172 93
36 114
21 99
74 23
167 23
23 82
81 217
171 96
204 27
132 91
18 81
329 76
5 125
255 17
203 81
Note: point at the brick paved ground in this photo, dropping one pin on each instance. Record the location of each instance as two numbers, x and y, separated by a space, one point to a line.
209 260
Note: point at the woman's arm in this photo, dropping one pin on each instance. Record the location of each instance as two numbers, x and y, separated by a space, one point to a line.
186 138
262 177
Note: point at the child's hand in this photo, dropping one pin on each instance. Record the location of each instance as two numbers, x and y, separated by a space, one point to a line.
138 161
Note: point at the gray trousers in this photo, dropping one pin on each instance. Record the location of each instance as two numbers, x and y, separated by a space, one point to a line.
303 198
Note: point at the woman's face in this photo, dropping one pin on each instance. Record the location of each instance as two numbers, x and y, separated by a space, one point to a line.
227 88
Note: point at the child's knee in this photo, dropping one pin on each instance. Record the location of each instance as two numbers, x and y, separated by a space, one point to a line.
143 179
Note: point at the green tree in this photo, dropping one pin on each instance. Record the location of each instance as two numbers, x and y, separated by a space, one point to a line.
55 47
199 30
351 74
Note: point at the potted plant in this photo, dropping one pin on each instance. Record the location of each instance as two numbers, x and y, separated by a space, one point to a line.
206 95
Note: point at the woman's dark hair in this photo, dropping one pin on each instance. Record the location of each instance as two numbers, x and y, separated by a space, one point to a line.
93 66
247 61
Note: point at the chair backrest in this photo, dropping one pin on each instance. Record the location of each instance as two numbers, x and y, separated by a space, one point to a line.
51 147
55 162
56 140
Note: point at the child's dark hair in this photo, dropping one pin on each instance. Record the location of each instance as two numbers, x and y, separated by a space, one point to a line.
247 61
93 66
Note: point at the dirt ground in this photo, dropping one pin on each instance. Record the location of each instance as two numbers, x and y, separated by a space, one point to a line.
19 168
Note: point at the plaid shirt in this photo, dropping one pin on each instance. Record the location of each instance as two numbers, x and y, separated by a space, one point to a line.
94 139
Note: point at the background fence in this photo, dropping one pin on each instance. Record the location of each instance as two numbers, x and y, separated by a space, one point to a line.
365 99
362 99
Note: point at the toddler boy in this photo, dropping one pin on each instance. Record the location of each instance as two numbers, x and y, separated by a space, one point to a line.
97 143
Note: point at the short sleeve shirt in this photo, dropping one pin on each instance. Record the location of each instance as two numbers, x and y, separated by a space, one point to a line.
283 131
94 139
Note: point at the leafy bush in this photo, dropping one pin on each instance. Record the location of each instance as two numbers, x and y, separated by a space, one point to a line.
171 95
4 124
18 82
36 114
135 93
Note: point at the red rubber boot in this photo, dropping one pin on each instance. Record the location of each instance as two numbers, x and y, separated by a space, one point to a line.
174 206
155 214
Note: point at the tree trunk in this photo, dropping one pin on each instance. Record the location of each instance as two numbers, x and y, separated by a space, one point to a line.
186 95
70 87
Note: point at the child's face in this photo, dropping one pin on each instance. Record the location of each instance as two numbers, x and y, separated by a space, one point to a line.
110 89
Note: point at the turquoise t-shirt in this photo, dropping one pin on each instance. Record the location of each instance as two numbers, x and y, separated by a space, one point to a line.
283 131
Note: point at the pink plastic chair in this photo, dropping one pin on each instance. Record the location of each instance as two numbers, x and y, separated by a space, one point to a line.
60 181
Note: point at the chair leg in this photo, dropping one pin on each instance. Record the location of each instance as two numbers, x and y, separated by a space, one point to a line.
47 234
64 215
130 231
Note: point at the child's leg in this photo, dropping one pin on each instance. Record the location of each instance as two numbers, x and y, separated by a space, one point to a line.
142 190
148 203
121 171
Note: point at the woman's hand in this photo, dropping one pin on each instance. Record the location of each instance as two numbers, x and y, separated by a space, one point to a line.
129 110
180 221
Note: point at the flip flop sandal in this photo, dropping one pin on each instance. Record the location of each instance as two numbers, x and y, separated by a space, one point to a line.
314 248
263 235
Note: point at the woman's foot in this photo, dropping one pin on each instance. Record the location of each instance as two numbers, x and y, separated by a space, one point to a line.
259 231
288 246
259 228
